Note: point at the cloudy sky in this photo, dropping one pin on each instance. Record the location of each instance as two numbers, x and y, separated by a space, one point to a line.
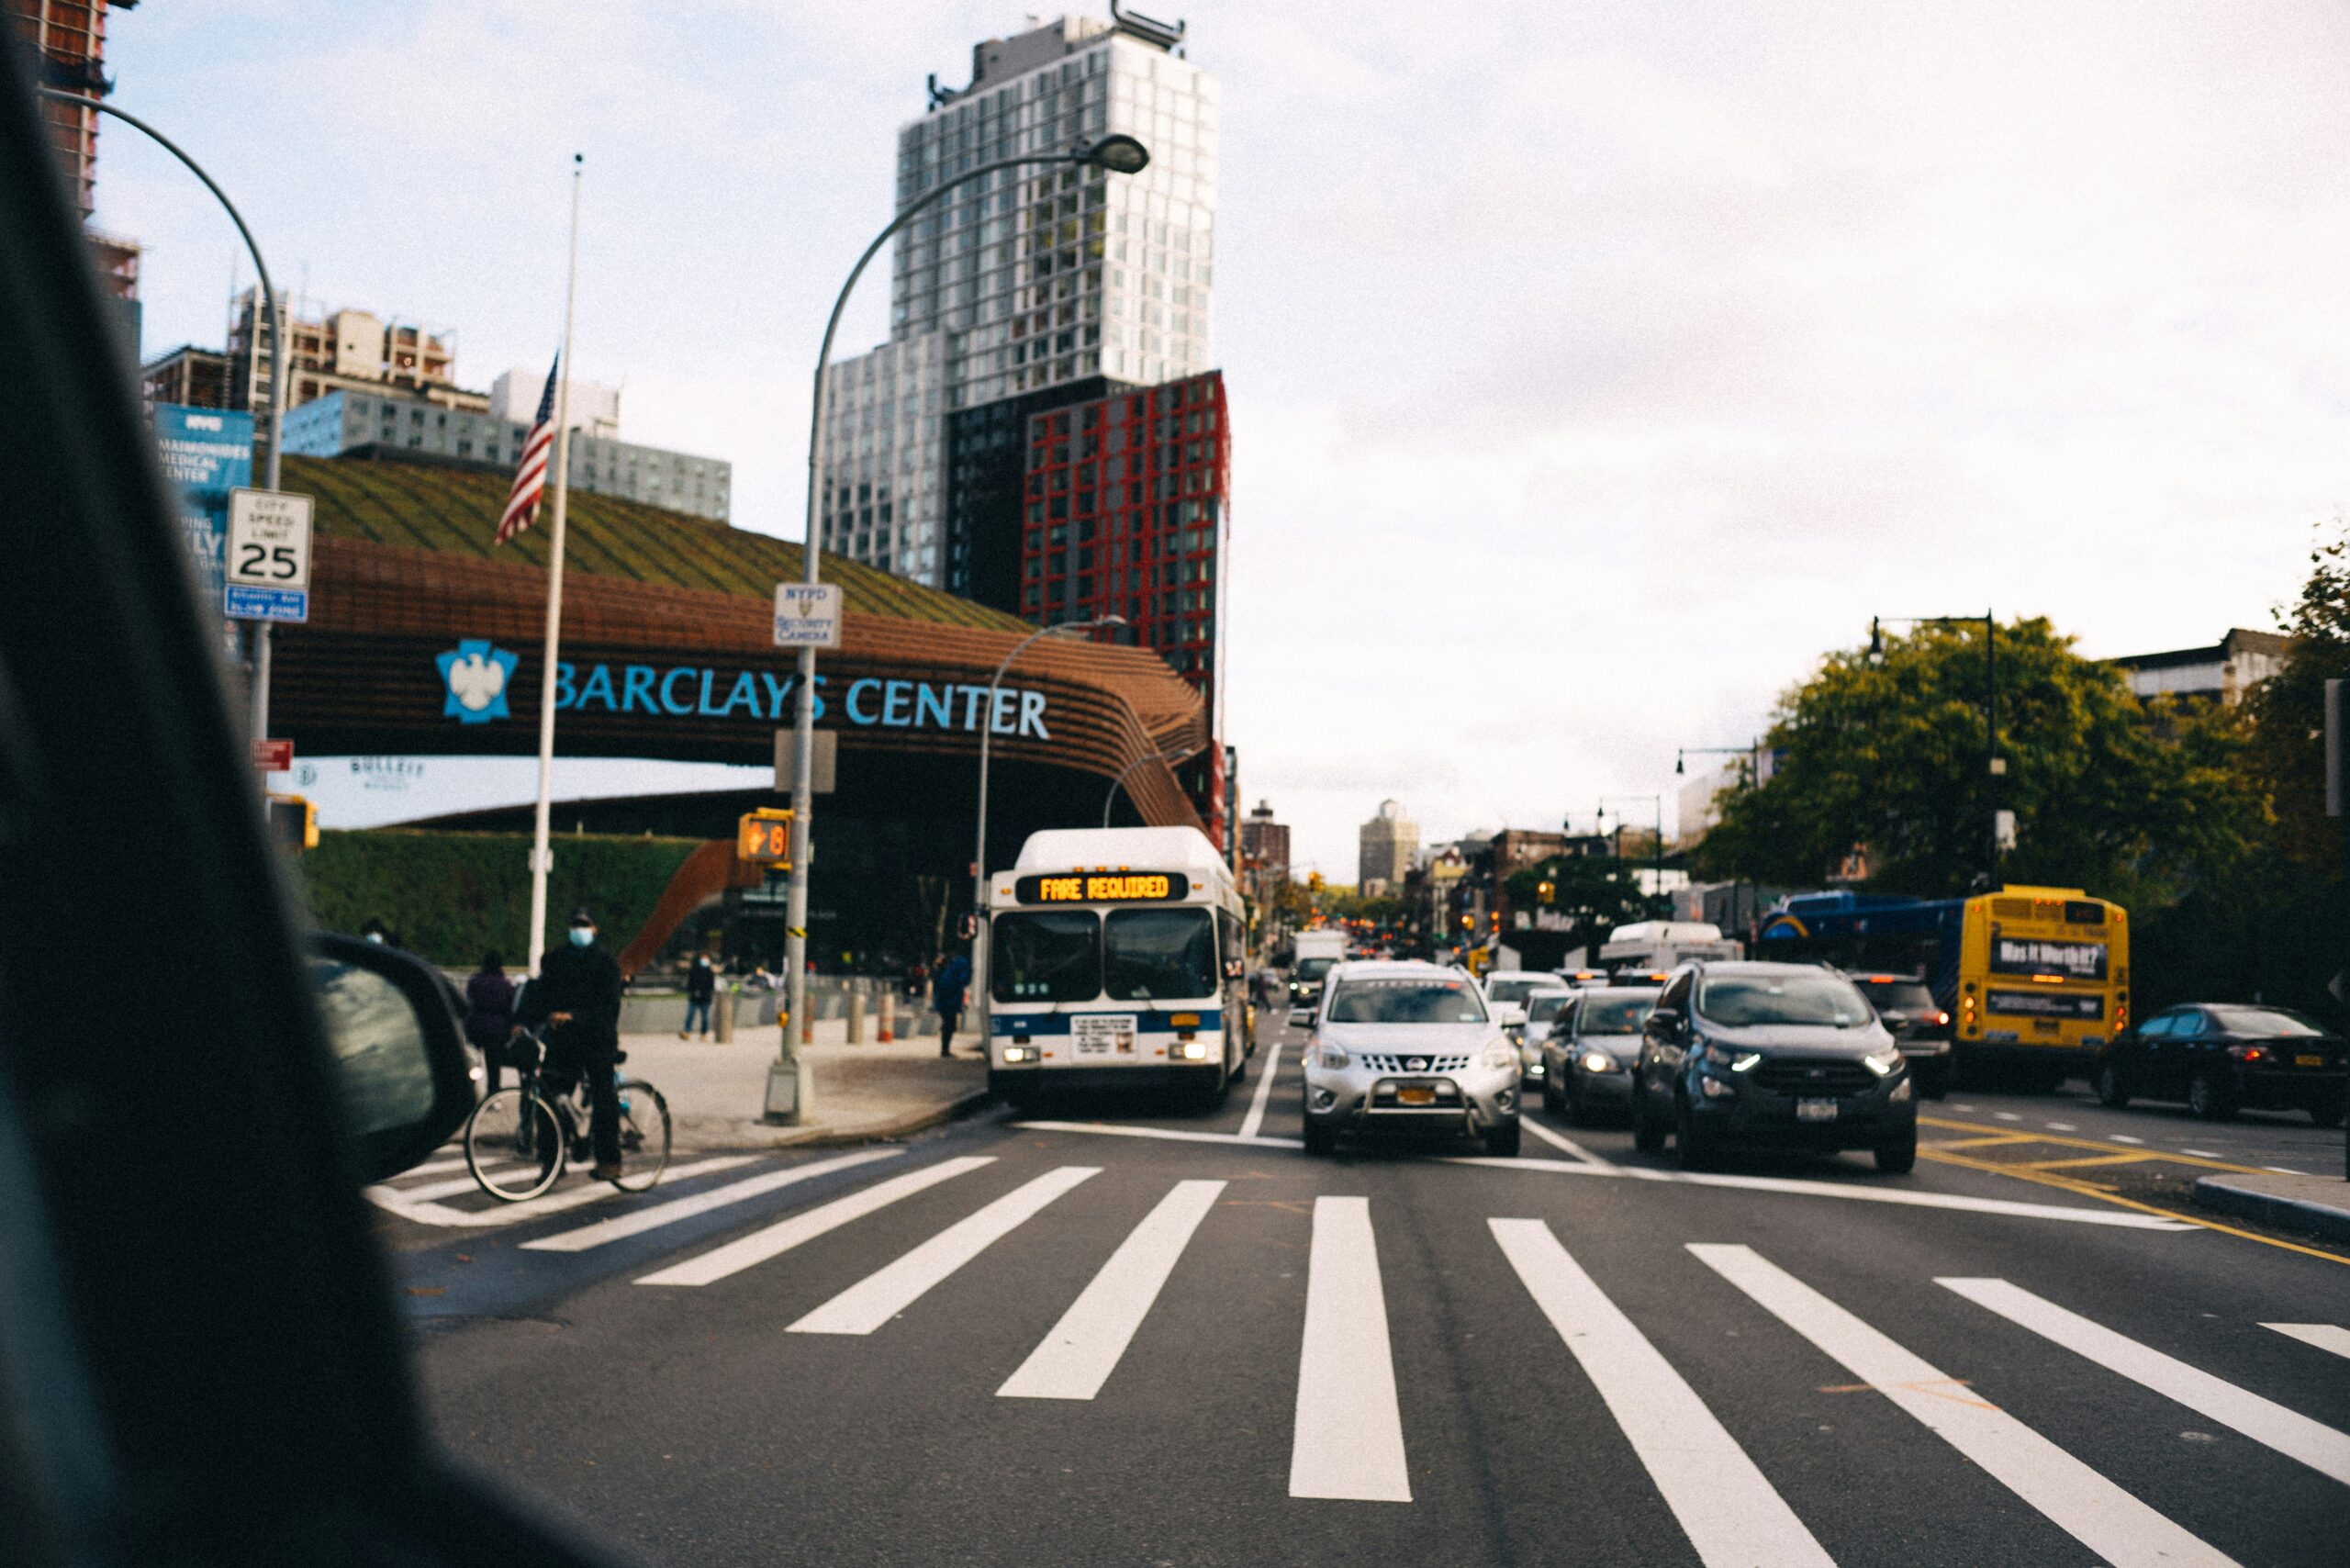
1594 367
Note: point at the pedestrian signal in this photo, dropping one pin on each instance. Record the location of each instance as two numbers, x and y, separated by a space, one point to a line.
763 837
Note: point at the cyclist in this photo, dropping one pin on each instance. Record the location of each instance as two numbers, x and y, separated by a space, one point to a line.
577 993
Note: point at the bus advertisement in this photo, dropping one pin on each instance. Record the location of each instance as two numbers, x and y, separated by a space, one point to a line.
2035 978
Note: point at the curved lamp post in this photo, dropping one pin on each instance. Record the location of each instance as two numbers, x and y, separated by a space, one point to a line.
260 695
1119 154
1111 800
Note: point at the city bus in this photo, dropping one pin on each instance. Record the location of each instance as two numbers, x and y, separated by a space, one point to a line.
1116 961
2034 979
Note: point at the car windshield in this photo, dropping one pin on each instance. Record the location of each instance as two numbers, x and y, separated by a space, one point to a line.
1544 1007
2266 1022
1049 955
1159 955
1510 990
1314 969
1798 997
1406 1001
1898 996
1615 1012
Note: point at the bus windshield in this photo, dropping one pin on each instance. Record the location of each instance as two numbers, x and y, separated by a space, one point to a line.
1738 1000
1048 955
1159 955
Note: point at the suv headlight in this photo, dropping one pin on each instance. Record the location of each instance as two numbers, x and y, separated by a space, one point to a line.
1884 1063
1730 1061
1498 1056
1333 1057
1598 1061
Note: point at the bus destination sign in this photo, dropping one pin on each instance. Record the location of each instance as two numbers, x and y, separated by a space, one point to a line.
1104 887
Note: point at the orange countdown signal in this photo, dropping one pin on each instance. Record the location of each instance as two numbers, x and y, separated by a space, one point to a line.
763 837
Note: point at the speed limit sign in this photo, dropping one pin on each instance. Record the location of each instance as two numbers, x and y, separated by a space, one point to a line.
267 568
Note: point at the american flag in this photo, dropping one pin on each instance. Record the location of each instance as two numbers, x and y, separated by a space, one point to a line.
530 475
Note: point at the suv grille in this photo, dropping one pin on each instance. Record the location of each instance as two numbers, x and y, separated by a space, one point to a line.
1786 1075
1378 1063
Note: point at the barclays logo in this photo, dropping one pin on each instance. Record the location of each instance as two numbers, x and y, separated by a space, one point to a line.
475 677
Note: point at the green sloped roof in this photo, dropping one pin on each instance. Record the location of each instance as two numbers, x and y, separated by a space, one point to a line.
455 511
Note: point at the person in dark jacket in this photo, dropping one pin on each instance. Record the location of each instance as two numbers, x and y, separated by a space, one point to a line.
701 987
946 998
489 1015
578 992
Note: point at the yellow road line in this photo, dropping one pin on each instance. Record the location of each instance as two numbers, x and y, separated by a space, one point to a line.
2085 1160
2012 1135
2087 1190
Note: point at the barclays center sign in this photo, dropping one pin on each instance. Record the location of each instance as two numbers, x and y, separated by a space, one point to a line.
474 677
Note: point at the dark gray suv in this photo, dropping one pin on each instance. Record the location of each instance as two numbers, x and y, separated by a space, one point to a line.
1785 1056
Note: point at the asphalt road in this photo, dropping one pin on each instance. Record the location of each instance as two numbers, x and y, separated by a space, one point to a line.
1163 1342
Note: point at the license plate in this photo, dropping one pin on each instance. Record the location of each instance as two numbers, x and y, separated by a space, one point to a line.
1415 1094
1099 1033
2309 1061
1815 1110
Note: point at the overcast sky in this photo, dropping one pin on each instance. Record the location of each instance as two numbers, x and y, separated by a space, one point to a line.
1594 367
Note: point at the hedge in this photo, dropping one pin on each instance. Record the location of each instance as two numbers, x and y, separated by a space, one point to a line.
452 896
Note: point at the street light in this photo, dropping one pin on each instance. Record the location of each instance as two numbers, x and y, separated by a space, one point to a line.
1117 154
259 667
1754 755
1656 849
1993 766
987 728
1111 800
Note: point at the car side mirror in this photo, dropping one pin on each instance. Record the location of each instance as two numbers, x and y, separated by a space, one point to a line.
405 1081
1301 1017
1664 1024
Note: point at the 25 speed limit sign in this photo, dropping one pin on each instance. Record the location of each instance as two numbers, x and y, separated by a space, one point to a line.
267 567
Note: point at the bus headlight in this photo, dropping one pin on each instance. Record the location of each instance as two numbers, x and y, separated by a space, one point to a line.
1013 1055
1189 1050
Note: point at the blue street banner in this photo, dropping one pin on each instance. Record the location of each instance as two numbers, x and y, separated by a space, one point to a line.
206 452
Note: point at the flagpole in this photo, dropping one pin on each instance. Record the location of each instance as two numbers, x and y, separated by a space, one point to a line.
541 856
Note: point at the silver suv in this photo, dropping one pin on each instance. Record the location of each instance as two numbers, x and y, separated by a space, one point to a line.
1408 1048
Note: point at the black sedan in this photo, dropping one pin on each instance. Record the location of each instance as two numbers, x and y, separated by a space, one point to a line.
1918 1025
2222 1057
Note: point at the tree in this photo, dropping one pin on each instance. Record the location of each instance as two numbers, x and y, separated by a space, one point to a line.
1888 752
1596 894
2284 751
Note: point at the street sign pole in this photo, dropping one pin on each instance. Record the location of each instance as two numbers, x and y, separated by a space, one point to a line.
2337 756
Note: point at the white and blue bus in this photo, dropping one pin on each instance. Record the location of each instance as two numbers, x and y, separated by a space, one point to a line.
1116 961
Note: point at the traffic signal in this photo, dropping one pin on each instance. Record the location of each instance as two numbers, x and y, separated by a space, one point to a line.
293 822
763 837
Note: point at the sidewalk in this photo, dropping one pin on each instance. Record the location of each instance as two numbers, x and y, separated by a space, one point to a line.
2315 1206
716 1092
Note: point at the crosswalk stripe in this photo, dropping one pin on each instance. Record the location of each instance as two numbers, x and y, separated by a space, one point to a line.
1170 1134
430 1192
2324 1336
434 1214
1732 1515
2289 1432
434 1166
1255 1120
783 1235
2111 1523
1078 1357
890 1290
1350 1436
637 1221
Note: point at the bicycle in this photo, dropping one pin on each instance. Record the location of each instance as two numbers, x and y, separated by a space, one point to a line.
520 1140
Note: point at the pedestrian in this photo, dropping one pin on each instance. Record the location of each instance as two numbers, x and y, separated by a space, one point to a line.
489 1015
578 993
701 986
947 997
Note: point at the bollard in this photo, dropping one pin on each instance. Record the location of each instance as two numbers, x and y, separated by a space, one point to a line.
857 1018
886 1032
723 1019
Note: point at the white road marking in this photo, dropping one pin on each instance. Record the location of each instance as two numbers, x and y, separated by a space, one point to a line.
2204 1153
1172 1134
1560 1141
2125 1137
1956 1106
2061 1127
2284 1171
430 1191
1733 1516
2289 1432
890 1290
2007 1116
434 1166
1078 1357
2117 1527
1350 1438
424 1212
2324 1336
785 1234
637 1221
1255 1119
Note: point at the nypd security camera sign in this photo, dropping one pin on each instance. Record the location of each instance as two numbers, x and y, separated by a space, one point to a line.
807 615
267 569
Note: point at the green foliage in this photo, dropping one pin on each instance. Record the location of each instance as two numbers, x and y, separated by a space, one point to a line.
1890 753
451 896
1595 894
2286 750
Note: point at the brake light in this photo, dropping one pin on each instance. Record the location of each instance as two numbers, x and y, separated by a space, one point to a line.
2251 1056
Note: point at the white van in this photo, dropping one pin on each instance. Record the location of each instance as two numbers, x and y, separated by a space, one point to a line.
1314 953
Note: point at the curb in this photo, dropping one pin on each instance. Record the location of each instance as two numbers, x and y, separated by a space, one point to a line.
818 1136
2288 1213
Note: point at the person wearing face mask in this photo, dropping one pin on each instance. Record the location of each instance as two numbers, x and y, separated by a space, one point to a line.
578 994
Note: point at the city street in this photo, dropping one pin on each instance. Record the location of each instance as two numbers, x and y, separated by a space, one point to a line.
1106 1334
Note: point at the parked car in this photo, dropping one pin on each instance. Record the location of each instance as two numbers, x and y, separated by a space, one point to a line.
1408 1048
1590 1055
2221 1057
1918 1025
1786 1056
